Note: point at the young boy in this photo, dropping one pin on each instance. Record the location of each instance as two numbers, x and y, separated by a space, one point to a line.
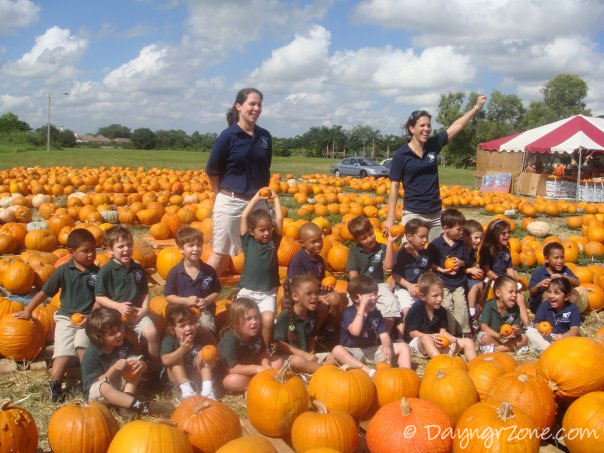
109 361
473 234
426 322
553 255
122 286
192 282
412 261
499 311
449 258
364 336
369 257
180 352
76 279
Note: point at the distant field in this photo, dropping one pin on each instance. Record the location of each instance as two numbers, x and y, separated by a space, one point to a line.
179 160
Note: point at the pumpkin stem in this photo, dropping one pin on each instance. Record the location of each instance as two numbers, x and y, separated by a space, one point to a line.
347 367
405 407
440 374
200 407
553 386
504 412
523 378
321 407
280 377
4 404
165 421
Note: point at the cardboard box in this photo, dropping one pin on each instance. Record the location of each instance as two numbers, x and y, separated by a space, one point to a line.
532 184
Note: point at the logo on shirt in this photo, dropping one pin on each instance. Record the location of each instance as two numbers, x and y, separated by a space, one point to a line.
258 345
205 282
431 157
507 256
565 317
91 281
264 142
422 262
138 276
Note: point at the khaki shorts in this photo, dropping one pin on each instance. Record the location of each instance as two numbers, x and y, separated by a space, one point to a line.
140 326
387 303
414 346
404 298
433 219
68 337
458 316
208 320
266 300
370 354
94 394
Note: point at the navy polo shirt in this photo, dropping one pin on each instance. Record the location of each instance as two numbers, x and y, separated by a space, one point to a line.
373 327
419 175
500 263
538 275
303 264
417 319
410 267
439 250
179 283
561 320
242 161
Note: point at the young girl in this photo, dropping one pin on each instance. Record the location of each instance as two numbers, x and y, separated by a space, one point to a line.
499 311
260 239
180 352
296 325
496 259
242 348
472 234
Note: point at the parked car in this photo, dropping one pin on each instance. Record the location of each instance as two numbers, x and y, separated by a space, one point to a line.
359 166
387 162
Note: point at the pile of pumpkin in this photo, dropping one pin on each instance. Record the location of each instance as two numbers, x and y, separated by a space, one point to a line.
489 404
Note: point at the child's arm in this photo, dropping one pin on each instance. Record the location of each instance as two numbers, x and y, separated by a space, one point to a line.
278 214
174 357
387 351
209 299
572 332
123 307
243 228
536 288
446 334
284 346
189 301
410 287
144 309
118 366
487 329
353 274
31 306
511 272
489 273
389 259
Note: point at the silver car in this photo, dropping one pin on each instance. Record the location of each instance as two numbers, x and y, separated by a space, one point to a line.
359 166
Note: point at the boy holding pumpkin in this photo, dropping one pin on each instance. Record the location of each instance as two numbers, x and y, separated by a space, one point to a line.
76 279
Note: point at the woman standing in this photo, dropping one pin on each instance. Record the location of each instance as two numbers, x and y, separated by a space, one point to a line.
415 165
238 167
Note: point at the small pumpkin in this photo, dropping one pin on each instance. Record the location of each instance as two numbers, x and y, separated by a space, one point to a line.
448 360
484 376
150 436
544 327
392 384
505 360
166 259
19 432
538 228
450 262
506 330
209 354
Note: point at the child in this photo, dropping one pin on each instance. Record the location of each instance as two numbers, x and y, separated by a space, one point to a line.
473 233
449 258
122 286
364 336
563 316
108 361
296 325
412 261
501 310
180 352
242 347
260 239
369 257
426 322
553 255
192 282
76 279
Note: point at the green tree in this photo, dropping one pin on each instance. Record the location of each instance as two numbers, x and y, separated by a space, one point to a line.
504 114
66 139
114 131
143 138
565 95
9 122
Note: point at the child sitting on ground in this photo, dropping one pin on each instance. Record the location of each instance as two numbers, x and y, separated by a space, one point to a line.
473 233
364 336
426 322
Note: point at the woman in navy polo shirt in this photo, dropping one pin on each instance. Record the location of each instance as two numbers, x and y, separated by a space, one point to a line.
238 167
415 165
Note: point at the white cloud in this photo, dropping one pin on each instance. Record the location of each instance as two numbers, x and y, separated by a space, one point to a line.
16 14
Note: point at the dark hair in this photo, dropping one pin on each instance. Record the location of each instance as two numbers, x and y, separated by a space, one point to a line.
472 226
232 115
413 225
99 322
256 216
451 218
308 228
78 237
363 284
491 241
292 286
562 283
427 280
177 312
502 280
359 225
412 120
237 310
115 233
186 234
550 247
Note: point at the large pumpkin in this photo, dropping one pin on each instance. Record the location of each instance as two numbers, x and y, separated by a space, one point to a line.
81 427
400 426
337 257
274 399
392 384
18 278
342 388
248 444
484 375
505 360
334 429
145 436
18 431
42 240
446 361
208 424
287 249
20 339
45 315
575 365
583 424
166 259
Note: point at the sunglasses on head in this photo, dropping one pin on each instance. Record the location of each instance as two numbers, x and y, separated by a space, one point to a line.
416 114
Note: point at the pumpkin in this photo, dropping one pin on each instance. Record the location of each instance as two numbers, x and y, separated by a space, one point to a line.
583 424
166 259
274 399
392 384
530 393
160 231
6 215
595 296
484 375
57 222
323 428
19 433
389 429
575 365
506 361
450 262
150 436
337 257
450 388
342 388
528 367
287 249
209 354
77 318
446 361
506 330
18 278
599 335
396 230
538 228
16 230
42 240
8 244
20 339
45 315
207 424
109 215
544 327
81 427
248 444
8 306
143 253
172 221
497 429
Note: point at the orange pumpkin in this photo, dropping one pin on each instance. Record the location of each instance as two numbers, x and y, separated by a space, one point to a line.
506 330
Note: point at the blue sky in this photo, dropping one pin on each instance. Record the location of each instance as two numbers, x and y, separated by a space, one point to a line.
176 64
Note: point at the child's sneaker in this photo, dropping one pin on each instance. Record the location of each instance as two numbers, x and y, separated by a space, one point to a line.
475 325
211 395
523 350
487 348
56 392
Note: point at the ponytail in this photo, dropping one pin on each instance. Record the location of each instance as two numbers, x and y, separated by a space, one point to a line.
232 115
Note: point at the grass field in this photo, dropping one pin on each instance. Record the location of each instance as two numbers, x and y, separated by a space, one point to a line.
11 156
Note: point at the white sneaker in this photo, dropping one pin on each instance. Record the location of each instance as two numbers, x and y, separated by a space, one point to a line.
523 350
487 348
211 395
